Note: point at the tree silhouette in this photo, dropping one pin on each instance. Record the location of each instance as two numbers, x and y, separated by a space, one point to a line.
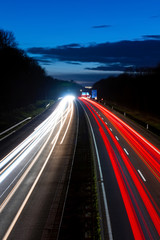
23 80
136 91
7 39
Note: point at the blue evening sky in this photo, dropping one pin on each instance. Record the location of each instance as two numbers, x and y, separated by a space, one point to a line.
48 24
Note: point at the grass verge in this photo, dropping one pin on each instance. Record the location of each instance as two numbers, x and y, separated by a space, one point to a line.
139 117
8 118
81 217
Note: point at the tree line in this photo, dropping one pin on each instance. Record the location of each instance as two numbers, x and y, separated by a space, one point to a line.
23 80
137 90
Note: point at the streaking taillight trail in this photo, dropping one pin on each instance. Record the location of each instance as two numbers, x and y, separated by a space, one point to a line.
149 154
127 194
154 150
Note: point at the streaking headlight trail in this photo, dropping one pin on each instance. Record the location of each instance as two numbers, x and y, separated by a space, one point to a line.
54 121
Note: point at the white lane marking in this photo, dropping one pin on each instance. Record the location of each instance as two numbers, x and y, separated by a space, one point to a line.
102 118
111 129
126 151
69 179
147 142
28 195
106 123
141 175
24 174
117 138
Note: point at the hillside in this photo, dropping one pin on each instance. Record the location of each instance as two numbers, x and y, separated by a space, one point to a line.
136 94
136 91
24 82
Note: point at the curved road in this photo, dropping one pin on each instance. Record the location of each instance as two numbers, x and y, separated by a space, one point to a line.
130 168
35 175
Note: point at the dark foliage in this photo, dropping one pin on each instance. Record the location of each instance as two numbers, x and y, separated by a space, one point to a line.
136 91
23 81
7 39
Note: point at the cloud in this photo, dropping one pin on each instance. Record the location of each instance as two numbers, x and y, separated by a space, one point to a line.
74 63
72 45
153 37
101 26
137 53
43 60
108 67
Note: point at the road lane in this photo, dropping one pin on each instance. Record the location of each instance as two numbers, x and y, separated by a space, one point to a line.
115 203
22 155
141 204
23 188
139 161
11 142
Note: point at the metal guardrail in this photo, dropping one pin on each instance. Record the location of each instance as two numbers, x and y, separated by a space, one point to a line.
140 122
14 126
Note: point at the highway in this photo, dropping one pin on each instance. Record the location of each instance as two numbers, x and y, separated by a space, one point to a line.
35 175
129 174
36 168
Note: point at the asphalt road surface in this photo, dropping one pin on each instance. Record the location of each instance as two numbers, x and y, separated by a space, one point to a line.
130 173
36 163
35 176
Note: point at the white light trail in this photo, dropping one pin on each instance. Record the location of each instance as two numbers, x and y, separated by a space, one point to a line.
59 115
68 124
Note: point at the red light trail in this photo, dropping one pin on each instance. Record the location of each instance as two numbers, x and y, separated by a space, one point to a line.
150 156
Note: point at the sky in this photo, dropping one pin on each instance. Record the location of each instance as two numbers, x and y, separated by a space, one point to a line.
85 40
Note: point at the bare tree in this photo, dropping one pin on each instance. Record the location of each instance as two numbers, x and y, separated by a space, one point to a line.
7 39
